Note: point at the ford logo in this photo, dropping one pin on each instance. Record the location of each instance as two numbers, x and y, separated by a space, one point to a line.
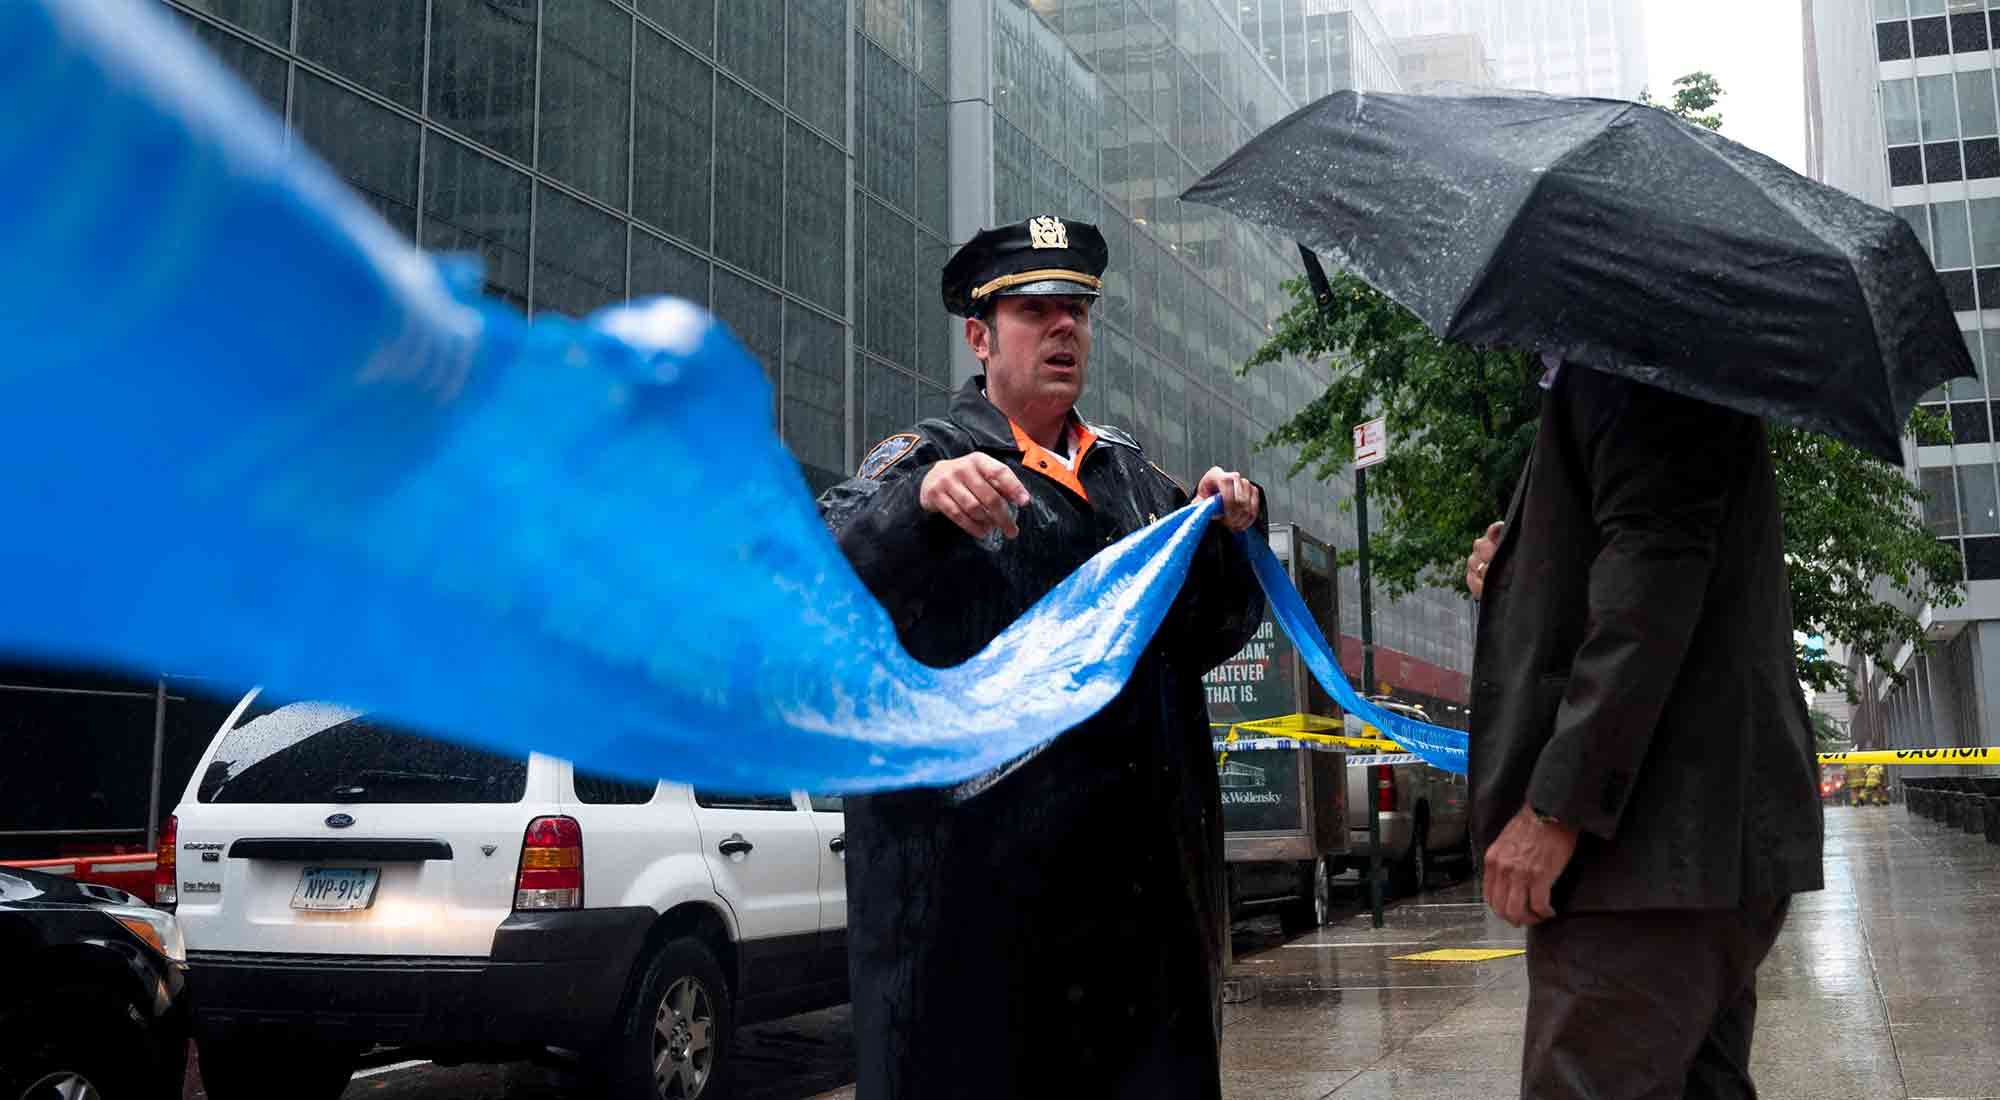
339 821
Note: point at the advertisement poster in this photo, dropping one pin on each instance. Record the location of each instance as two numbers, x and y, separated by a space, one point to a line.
1260 789
1256 682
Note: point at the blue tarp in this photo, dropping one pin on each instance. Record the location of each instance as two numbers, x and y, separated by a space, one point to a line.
249 431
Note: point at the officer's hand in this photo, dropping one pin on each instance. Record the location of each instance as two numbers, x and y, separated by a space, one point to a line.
973 492
1523 865
1482 556
1241 499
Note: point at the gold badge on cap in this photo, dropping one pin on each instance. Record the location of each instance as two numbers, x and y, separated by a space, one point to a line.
1048 232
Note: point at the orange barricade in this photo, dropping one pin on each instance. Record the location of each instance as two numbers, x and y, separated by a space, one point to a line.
132 874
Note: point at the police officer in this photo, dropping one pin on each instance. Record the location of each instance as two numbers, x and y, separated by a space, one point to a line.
1054 928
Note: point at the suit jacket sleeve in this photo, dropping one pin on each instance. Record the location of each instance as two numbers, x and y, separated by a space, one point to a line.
1221 604
1661 470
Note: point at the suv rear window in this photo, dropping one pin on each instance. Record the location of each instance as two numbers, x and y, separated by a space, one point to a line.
321 752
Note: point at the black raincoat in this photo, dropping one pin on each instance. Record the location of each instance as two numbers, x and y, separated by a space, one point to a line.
1056 928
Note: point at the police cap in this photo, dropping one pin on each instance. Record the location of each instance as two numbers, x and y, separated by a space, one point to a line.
1044 255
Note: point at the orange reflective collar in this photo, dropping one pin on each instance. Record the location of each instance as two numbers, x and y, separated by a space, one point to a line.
1038 458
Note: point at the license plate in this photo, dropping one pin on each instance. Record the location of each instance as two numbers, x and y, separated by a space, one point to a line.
336 889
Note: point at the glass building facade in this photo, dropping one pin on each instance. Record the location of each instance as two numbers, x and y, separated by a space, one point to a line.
1901 111
1567 47
804 167
1940 129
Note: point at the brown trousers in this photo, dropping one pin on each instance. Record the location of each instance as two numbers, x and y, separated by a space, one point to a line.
1646 1005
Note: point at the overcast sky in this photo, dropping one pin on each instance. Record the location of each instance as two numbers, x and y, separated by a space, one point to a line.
1753 47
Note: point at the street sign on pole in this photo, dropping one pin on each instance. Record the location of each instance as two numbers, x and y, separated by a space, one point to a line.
1371 443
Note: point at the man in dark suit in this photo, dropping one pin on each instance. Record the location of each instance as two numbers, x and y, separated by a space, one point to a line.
1642 767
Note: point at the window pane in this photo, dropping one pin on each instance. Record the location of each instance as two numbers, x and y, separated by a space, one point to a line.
1975 104
754 315
604 790
933 160
888 401
891 285
387 59
1968 32
586 92
483 73
1172 428
262 70
692 20
887 129
270 20
749 173
1968 423
661 267
938 332
671 148
473 203
579 255
815 389
1982 158
1951 242
750 42
1892 41
1941 163
1899 111
933 403
1111 376
272 761
1927 7
1974 387
1985 232
936 45
716 800
372 147
1919 222
816 83
1982 559
1979 511
1939 114
1928 37
1891 9
1958 289
815 218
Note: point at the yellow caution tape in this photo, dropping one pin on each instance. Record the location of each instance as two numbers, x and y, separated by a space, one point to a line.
1913 756
1303 729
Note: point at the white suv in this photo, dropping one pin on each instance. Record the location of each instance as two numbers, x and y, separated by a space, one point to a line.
346 884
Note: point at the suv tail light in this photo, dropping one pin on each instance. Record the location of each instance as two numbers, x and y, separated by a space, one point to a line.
1385 788
166 882
551 865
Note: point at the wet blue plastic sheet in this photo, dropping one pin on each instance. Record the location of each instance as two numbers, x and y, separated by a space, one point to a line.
1439 746
249 432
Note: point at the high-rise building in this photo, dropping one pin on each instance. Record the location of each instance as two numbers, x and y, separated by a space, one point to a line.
1901 111
804 167
1458 59
1565 47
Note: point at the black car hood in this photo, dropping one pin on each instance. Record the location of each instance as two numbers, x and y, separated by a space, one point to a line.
21 888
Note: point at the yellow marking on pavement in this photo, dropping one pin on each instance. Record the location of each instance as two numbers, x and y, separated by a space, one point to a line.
1462 955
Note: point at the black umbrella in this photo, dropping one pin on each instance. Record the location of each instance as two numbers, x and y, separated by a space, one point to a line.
1618 236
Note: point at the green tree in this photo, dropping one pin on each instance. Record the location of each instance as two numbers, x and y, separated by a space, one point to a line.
1463 420
1828 734
1695 97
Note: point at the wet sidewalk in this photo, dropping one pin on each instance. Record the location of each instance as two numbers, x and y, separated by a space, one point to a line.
1883 985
